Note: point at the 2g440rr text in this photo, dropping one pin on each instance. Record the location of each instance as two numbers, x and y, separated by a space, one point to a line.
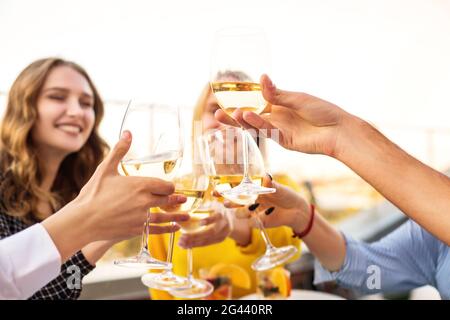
231 309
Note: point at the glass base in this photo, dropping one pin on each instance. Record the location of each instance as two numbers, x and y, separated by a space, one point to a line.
273 258
165 281
245 193
144 261
197 289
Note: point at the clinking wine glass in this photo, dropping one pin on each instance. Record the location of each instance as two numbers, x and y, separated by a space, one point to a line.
193 181
239 57
156 151
223 146
196 184
195 188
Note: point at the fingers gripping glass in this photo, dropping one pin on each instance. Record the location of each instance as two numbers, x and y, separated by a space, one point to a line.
223 146
239 58
156 151
194 181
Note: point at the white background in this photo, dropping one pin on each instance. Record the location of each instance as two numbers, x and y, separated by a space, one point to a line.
387 61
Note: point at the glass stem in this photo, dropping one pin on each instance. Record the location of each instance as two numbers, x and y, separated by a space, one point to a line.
171 243
269 245
144 245
246 178
189 265
170 252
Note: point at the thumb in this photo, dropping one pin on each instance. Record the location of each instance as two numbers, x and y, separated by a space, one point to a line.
118 152
273 95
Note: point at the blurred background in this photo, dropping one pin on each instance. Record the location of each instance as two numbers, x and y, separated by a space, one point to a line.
385 61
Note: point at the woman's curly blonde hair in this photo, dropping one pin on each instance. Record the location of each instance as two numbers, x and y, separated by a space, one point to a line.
20 175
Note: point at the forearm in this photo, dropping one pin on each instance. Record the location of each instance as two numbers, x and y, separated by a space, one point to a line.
324 241
419 191
68 230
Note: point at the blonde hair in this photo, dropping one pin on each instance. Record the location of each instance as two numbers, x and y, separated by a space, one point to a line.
20 190
200 106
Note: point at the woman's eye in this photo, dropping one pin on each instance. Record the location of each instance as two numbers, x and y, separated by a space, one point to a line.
57 97
87 104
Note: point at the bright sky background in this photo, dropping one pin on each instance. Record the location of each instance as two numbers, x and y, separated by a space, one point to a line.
387 61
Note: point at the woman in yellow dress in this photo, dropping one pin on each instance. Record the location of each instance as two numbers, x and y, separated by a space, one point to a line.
231 240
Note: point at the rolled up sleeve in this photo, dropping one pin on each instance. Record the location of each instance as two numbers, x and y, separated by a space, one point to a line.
403 260
351 271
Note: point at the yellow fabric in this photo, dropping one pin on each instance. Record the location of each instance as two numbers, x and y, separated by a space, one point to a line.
226 252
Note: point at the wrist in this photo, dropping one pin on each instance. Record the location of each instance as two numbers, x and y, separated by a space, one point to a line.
302 218
241 232
69 230
305 230
353 131
95 250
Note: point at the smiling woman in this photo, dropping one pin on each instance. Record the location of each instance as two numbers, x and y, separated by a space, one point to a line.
50 147
49 101
65 117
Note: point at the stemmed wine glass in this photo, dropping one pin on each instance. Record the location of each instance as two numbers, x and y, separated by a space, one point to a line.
192 180
195 182
156 151
239 58
223 146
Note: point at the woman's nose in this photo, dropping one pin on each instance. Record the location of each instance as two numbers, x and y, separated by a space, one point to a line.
74 108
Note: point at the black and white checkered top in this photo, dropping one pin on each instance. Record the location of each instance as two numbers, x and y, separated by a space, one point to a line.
62 287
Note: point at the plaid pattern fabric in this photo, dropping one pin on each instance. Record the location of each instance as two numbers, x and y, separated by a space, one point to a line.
67 286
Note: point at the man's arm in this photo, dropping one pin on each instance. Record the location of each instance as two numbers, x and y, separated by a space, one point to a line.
418 190
309 124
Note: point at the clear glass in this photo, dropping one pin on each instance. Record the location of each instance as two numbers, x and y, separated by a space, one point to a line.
166 280
223 146
240 56
156 151
193 181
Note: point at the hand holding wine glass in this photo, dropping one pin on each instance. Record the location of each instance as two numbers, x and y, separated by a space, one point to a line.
222 148
195 182
155 151
296 120
239 58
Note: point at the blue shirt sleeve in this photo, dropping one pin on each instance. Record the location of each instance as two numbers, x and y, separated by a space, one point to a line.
403 260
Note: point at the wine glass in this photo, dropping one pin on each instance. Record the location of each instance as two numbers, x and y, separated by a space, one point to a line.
223 146
156 151
194 181
239 58
167 279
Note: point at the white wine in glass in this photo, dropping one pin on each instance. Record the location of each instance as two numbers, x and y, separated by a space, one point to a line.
162 166
193 181
156 151
232 95
167 280
239 58
228 174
